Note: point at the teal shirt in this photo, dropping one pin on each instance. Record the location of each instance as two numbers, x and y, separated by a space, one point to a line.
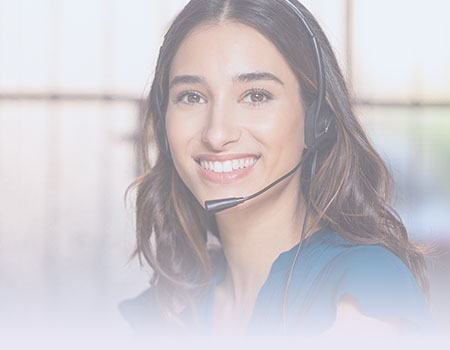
327 268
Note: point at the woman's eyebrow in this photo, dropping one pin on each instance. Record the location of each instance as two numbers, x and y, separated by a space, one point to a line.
254 76
186 79
242 78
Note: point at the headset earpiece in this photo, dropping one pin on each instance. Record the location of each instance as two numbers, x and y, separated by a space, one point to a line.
319 132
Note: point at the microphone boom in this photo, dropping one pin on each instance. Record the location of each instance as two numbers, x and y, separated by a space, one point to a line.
217 205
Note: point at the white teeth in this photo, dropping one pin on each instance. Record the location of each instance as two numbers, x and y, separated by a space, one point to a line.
227 166
217 167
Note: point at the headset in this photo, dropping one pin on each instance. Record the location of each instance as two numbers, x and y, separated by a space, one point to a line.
320 133
319 120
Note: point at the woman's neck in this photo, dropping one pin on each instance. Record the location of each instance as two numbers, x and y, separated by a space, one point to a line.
253 236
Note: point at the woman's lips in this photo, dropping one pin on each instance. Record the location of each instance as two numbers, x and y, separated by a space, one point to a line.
224 177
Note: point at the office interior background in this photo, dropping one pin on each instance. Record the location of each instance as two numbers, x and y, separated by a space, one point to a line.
73 74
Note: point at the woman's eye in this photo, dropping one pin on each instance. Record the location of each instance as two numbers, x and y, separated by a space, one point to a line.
190 98
257 97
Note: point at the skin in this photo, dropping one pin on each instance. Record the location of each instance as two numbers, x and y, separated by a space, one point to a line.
219 115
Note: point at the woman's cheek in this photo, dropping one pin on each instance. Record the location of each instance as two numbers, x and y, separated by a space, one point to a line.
177 132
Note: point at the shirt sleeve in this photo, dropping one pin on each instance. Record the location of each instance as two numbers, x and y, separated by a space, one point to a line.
383 286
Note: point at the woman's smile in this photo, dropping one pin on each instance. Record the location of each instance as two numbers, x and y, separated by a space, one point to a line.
226 168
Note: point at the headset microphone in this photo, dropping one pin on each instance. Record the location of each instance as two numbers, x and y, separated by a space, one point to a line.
217 205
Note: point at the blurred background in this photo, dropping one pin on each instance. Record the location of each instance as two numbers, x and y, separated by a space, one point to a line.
72 76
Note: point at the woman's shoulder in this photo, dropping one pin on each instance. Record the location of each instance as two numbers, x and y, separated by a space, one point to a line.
367 265
328 252
356 259
375 277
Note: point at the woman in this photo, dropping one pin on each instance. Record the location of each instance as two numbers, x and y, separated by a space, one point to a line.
246 93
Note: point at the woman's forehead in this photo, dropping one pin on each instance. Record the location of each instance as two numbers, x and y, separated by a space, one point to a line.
226 50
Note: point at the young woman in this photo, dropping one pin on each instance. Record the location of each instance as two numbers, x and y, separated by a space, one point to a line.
245 93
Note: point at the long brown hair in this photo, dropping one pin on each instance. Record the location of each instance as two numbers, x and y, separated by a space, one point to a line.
350 191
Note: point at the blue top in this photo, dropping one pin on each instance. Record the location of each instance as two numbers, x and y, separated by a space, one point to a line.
327 268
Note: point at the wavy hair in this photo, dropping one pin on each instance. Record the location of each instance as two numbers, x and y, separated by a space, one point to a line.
349 193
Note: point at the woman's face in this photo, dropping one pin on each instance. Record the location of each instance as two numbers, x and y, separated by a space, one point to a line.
235 116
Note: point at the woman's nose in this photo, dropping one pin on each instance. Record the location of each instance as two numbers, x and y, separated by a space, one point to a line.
220 130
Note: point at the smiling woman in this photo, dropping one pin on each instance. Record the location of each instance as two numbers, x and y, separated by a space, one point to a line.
252 115
240 104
